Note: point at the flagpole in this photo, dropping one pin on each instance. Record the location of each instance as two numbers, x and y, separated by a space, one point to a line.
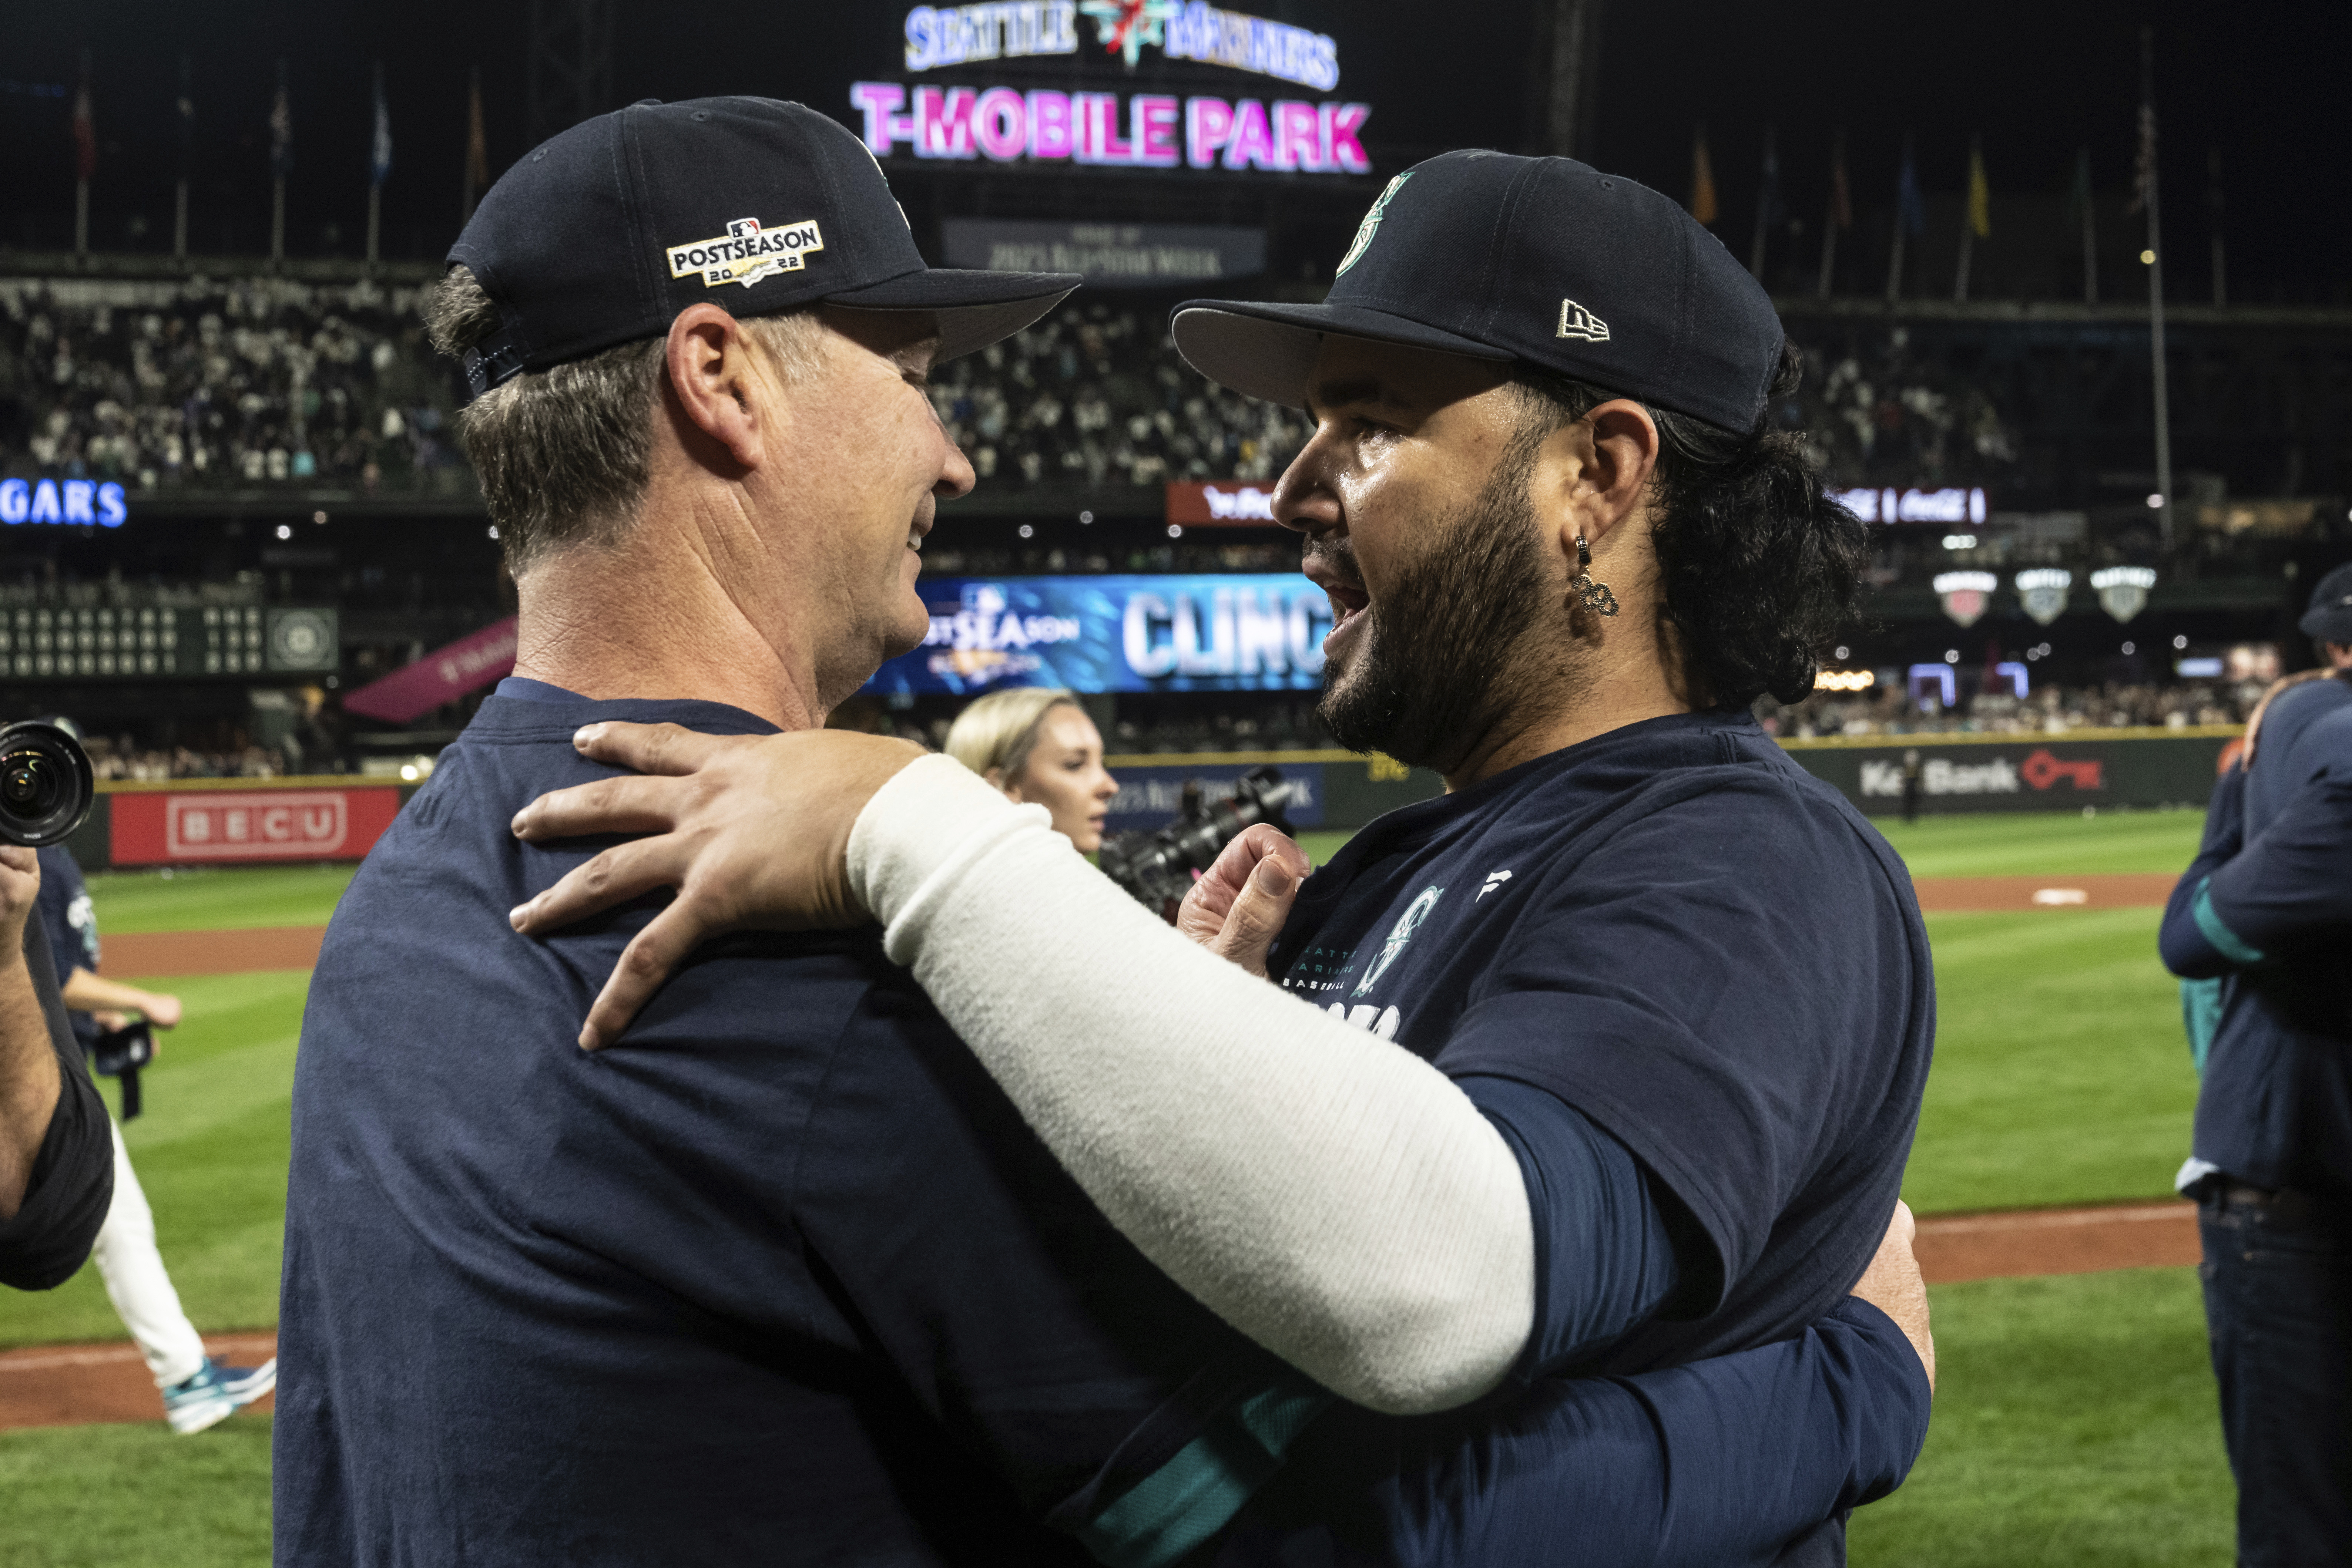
376 180
1894 259
1830 218
84 138
185 109
2156 288
2090 233
2214 209
277 180
1766 198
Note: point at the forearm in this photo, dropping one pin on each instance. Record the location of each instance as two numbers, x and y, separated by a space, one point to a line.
2186 940
2293 880
85 991
1331 1195
29 1079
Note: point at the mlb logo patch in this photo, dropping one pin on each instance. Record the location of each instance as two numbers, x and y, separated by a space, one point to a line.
747 253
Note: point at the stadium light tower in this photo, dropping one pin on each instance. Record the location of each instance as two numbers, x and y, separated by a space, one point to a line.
571 72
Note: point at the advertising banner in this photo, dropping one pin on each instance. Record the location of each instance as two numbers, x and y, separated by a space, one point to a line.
1213 503
1108 256
442 676
213 826
2022 772
1174 633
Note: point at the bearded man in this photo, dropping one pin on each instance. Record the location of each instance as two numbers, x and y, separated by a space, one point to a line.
1607 1060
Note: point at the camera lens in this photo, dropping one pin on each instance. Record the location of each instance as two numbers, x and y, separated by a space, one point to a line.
45 784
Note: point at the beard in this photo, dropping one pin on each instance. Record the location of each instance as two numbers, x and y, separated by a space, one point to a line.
1455 647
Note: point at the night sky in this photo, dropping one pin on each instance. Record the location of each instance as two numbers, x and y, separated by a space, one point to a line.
2036 80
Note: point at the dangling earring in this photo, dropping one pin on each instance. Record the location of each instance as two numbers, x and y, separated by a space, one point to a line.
1594 595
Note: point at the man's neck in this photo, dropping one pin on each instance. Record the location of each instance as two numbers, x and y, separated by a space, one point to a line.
1565 706
608 623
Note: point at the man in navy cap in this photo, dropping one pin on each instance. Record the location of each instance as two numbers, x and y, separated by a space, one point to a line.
1608 1059
2256 929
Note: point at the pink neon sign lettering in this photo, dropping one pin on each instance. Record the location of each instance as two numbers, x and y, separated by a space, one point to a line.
1155 131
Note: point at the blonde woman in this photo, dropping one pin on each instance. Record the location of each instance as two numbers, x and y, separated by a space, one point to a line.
1036 744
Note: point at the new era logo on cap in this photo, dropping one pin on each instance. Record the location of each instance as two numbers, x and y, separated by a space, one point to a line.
746 252
1575 321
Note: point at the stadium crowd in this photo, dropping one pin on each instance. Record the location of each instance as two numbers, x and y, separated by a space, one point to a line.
225 384
1891 710
1097 393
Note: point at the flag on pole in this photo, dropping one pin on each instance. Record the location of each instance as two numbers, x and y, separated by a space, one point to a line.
1841 192
1702 198
2143 165
380 151
1910 206
1979 194
2078 200
84 127
281 130
185 122
477 145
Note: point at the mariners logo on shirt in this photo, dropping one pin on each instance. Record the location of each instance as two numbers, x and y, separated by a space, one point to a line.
1371 224
746 252
1400 937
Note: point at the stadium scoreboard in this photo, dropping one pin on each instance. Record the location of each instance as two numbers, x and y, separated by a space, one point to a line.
167 642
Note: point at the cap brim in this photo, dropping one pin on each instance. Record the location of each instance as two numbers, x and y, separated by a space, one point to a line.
2328 624
974 308
1269 350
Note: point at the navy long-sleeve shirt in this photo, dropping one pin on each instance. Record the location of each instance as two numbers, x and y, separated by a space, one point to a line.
2266 909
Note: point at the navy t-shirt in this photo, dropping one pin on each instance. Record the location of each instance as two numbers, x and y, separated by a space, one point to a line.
1680 933
782 1277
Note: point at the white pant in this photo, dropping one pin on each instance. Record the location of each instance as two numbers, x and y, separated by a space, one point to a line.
138 1286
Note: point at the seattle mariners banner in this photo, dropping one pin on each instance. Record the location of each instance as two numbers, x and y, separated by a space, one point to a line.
1237 633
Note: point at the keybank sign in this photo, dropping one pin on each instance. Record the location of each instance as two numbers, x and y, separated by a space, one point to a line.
82 503
1117 634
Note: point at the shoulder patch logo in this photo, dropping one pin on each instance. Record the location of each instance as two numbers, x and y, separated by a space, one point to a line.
1575 321
746 252
1371 224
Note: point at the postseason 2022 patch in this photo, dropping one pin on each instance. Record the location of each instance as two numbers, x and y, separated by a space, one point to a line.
747 253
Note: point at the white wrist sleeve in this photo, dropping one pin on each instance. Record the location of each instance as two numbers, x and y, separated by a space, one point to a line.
1331 1195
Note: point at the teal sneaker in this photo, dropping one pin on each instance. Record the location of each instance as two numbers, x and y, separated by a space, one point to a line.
214 1394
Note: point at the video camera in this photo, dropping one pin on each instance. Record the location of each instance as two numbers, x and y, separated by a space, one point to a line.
1159 868
45 785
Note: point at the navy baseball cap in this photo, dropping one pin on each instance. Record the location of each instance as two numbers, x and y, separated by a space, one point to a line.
2329 617
1539 260
604 233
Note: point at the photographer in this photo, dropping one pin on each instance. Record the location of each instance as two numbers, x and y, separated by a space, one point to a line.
1036 744
57 1166
199 1393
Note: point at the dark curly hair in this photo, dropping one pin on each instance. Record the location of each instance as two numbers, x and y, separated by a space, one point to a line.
1761 567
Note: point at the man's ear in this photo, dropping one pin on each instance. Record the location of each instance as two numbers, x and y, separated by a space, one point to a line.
1596 469
718 387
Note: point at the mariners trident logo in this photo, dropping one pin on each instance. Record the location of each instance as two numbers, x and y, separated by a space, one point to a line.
746 252
1371 224
1400 937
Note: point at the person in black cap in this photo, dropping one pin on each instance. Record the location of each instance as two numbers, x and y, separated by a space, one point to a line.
2256 929
1609 1058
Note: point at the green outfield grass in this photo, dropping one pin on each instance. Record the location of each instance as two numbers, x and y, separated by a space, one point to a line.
136 1497
2075 1428
189 898
2045 843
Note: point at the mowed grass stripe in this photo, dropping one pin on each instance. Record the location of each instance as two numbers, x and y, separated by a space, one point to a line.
208 898
2074 1428
2045 843
2060 1076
